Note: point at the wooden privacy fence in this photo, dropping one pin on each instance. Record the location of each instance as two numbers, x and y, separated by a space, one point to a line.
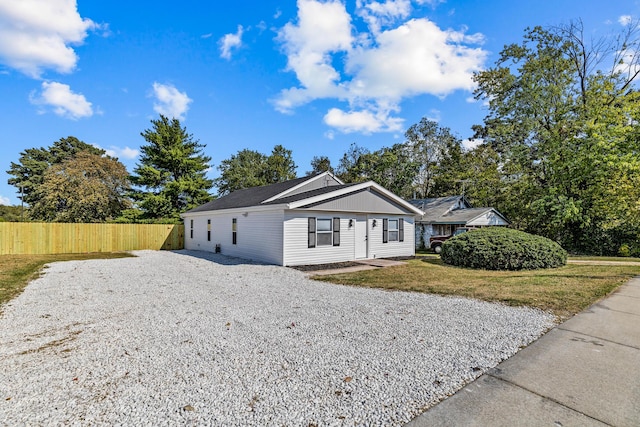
60 238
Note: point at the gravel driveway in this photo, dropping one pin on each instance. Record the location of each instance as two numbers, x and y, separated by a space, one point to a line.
194 338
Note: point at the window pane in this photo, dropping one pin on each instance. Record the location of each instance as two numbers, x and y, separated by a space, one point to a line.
393 236
393 225
324 239
324 225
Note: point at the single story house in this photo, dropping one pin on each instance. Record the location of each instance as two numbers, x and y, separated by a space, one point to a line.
311 220
444 215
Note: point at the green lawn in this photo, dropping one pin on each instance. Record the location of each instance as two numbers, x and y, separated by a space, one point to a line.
603 258
563 291
17 270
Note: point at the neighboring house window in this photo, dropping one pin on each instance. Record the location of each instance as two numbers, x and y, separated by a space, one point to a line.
323 232
392 230
191 229
209 230
234 231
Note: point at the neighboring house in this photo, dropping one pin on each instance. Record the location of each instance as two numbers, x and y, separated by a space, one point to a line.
444 215
311 220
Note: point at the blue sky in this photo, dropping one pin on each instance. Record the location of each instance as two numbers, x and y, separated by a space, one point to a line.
314 76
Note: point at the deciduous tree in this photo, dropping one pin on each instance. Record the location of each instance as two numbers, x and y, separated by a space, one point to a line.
250 168
563 119
84 188
28 172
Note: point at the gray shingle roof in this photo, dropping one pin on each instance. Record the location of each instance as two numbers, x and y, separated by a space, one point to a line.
249 196
462 216
435 207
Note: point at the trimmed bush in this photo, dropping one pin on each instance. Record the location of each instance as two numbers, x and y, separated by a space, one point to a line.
497 248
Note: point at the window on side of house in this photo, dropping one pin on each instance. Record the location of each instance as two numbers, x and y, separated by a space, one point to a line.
191 228
208 230
323 232
234 231
392 230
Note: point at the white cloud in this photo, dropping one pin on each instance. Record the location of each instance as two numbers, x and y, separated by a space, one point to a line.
363 121
124 153
322 28
63 100
373 71
229 42
378 14
121 153
5 201
38 34
471 143
170 101
415 58
624 20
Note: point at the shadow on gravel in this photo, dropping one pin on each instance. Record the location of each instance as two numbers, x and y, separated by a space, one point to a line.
217 258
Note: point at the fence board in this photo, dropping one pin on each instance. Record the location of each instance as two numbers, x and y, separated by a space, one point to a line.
32 238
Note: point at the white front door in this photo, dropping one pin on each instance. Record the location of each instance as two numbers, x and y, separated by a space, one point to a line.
361 237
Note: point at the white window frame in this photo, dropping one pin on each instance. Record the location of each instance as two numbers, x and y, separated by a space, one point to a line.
324 232
395 230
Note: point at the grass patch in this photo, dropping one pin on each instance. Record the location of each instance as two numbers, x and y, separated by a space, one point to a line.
17 270
563 291
603 258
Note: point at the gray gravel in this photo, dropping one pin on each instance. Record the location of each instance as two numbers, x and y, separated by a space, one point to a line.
193 338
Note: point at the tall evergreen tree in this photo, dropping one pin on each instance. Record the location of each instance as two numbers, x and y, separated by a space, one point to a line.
172 171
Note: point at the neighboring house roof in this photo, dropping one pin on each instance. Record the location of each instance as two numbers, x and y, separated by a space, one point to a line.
465 216
435 208
450 210
321 188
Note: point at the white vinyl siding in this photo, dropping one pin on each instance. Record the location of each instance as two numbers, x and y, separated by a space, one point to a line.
378 249
259 235
296 239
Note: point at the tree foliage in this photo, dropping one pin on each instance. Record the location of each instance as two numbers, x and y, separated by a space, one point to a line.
11 213
28 173
426 164
249 168
172 171
564 125
437 154
84 188
320 164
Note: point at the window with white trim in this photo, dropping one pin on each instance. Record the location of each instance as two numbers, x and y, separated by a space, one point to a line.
392 230
323 232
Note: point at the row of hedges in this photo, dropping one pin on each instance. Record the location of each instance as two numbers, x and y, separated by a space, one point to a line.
497 248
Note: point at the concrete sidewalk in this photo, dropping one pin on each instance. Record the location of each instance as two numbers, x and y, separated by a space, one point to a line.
585 372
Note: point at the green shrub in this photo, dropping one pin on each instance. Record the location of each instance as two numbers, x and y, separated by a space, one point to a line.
497 248
624 250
